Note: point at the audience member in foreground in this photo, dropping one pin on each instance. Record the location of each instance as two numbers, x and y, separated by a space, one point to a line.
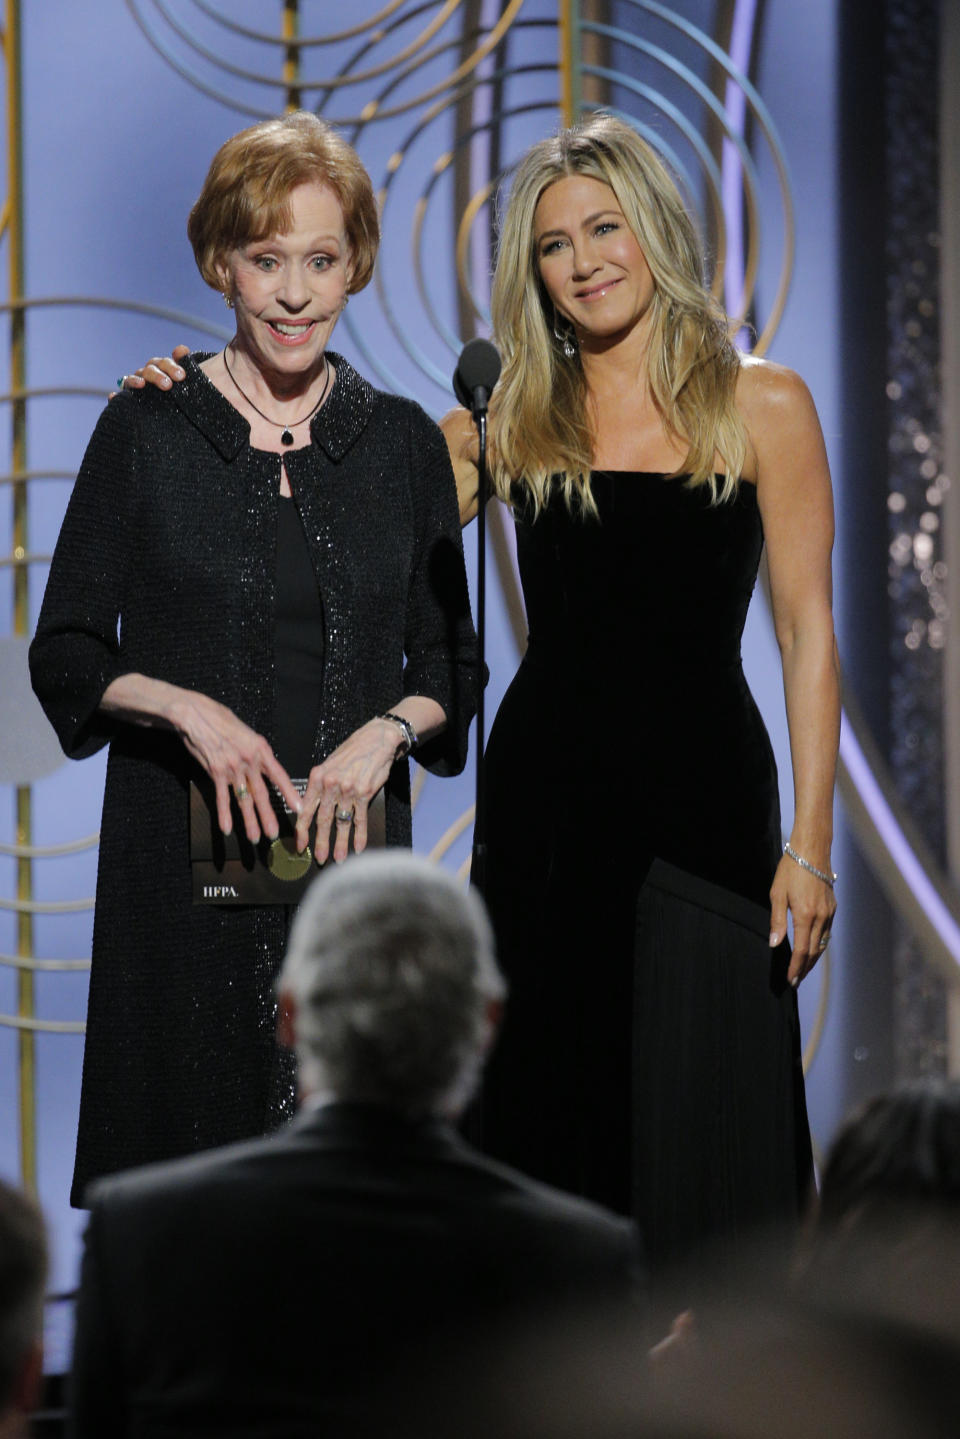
271 1287
864 1341
885 1237
761 1367
23 1273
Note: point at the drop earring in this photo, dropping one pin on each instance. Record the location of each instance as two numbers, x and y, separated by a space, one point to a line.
227 300
564 340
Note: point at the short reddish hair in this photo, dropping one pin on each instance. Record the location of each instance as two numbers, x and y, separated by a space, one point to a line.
246 195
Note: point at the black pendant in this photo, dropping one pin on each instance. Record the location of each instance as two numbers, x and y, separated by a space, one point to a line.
286 438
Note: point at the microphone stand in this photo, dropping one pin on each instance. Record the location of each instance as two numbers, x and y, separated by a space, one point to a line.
477 372
479 864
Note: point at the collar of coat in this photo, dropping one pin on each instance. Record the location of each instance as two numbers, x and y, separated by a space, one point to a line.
336 426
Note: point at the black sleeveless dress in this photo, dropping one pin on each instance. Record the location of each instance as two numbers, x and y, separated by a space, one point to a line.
650 1055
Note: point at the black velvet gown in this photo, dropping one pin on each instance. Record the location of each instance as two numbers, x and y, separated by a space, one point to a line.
650 1055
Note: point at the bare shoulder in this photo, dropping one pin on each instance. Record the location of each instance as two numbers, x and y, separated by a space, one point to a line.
772 396
779 415
461 437
787 451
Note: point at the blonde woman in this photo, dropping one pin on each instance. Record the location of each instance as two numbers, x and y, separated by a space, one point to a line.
635 874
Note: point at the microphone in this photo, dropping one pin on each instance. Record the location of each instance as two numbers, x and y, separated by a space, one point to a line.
478 370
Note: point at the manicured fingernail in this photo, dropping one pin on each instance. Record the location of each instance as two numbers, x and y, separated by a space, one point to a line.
794 982
179 373
774 939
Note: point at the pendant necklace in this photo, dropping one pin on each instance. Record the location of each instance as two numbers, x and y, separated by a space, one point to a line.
286 435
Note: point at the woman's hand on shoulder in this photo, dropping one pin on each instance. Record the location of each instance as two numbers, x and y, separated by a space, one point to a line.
460 434
161 371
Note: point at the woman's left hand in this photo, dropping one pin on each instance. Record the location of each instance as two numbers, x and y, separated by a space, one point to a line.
161 372
342 787
811 904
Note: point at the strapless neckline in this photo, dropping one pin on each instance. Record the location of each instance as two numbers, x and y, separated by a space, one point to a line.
660 475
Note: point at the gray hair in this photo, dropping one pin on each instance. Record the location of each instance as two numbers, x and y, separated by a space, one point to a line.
23 1275
392 973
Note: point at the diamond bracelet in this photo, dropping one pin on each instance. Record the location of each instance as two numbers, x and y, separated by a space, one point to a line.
829 879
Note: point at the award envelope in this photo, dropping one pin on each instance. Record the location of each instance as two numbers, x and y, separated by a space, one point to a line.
228 869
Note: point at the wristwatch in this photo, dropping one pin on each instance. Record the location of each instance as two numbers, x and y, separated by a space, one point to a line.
409 741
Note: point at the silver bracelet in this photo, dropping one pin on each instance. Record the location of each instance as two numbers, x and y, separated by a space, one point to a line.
829 879
410 739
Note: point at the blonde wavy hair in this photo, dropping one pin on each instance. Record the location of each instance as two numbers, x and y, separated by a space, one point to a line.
539 428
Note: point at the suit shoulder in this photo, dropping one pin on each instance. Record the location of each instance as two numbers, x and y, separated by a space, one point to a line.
543 1203
580 1214
188 1177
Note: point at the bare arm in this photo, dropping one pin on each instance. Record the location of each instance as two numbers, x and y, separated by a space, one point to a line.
796 505
461 437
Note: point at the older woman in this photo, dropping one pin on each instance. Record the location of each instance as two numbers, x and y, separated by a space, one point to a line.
259 579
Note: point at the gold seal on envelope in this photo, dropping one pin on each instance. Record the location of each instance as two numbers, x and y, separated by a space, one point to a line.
285 862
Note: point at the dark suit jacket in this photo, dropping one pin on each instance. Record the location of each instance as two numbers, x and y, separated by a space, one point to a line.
268 1288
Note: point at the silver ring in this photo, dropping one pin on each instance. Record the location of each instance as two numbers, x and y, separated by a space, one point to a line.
241 791
344 816
120 382
824 940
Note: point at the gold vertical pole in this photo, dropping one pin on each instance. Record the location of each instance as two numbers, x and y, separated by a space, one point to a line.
291 57
21 613
569 69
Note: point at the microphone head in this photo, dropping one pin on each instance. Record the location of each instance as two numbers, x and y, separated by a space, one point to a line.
460 390
479 365
478 369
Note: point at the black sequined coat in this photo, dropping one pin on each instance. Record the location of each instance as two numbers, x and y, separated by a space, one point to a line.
166 566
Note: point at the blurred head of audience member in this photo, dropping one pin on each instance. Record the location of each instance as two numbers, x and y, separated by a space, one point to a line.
761 1366
884 1237
319 1271
23 1274
900 1148
390 992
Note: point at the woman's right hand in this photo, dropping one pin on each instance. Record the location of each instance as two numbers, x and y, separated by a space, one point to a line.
160 371
236 758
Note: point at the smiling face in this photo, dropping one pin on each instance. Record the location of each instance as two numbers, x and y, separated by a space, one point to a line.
288 290
589 260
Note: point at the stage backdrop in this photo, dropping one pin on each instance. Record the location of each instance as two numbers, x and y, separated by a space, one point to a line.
114 112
